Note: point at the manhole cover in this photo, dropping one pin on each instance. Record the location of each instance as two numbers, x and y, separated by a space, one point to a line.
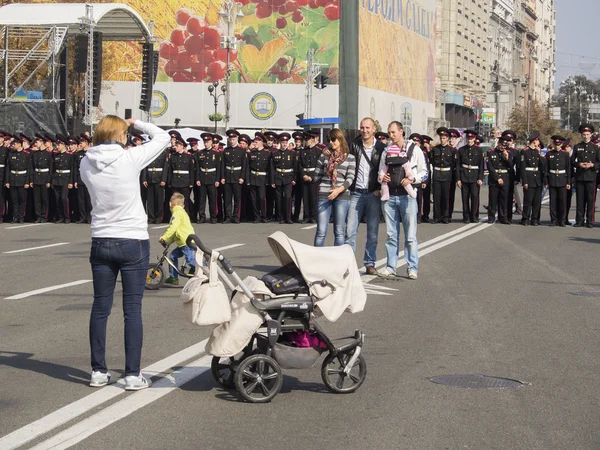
476 381
586 294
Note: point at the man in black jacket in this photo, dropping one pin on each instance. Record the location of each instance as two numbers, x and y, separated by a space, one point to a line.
365 191
469 169
532 175
41 160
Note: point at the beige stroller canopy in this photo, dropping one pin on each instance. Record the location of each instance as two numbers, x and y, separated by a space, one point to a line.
330 272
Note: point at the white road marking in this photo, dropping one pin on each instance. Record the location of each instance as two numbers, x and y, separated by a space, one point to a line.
427 243
127 406
160 226
37 248
227 247
25 226
310 227
69 412
47 289
466 231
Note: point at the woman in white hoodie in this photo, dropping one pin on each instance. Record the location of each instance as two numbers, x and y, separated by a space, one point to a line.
120 241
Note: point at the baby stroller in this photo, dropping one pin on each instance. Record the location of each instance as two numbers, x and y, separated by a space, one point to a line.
273 324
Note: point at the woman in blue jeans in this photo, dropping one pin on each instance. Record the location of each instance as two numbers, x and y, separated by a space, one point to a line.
120 241
335 173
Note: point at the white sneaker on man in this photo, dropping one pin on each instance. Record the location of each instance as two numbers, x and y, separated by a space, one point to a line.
386 272
99 379
412 275
135 383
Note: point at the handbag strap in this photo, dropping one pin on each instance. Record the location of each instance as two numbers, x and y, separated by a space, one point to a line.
213 273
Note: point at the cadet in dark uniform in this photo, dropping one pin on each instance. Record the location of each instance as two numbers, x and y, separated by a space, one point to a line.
308 157
154 180
532 176
499 162
585 161
558 181
297 136
181 172
18 178
514 174
195 205
283 175
426 186
208 177
470 177
453 142
4 151
382 137
259 164
234 171
418 140
443 160
272 213
567 148
41 161
83 196
62 179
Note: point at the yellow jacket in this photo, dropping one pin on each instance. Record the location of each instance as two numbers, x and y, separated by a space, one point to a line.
180 227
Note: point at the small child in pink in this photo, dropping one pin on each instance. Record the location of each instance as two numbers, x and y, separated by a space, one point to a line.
394 150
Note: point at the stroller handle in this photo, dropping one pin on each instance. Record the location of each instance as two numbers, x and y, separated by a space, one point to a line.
194 242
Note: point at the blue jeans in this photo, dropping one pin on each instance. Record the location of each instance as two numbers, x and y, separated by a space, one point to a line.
401 208
340 211
370 204
108 257
178 253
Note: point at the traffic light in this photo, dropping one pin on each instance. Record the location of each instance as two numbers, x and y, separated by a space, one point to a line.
321 80
478 127
148 62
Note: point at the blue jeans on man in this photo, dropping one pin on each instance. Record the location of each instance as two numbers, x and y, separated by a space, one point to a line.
401 208
190 259
340 213
131 258
364 202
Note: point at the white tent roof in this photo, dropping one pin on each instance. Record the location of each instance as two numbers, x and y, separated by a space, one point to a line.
115 20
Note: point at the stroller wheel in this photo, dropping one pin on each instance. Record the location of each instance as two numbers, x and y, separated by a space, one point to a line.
258 378
334 377
222 371
155 277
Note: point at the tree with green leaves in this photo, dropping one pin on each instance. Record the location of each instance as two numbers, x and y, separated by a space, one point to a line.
538 120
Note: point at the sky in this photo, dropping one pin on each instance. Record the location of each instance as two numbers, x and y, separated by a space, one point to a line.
577 44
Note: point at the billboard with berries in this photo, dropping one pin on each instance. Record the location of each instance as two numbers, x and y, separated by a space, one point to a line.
273 39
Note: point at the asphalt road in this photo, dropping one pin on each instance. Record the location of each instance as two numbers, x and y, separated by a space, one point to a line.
496 300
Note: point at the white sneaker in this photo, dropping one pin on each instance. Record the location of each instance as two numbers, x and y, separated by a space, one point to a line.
386 272
99 379
133 383
412 274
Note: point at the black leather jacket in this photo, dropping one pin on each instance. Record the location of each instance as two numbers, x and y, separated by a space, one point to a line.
356 150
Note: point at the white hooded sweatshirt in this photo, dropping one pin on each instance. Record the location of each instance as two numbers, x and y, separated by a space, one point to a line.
112 176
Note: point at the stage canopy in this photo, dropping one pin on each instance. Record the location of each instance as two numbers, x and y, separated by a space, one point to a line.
116 22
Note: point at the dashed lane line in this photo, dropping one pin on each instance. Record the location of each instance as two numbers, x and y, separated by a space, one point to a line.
36 248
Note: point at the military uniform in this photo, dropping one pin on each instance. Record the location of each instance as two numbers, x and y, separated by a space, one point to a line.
532 175
308 159
154 179
18 177
4 151
585 179
297 190
424 194
470 172
499 163
271 202
443 160
259 164
83 196
208 174
514 173
283 174
41 179
558 176
62 181
452 193
234 167
181 174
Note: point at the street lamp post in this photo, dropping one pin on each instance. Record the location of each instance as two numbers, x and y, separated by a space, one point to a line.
532 56
230 12
214 92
